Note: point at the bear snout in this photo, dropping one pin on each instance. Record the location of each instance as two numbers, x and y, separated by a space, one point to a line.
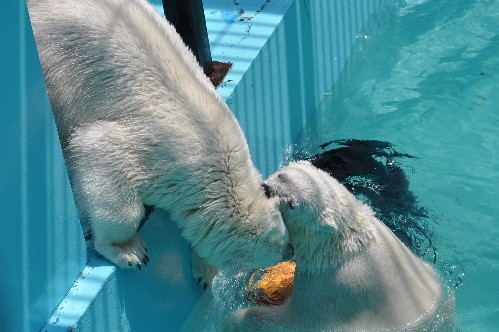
284 197
269 192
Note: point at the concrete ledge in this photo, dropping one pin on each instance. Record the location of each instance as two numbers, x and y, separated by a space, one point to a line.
97 274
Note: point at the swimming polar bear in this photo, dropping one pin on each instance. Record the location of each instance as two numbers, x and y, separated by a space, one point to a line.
352 273
140 124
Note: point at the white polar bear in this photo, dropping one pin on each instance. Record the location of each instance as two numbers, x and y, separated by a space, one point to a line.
352 273
140 124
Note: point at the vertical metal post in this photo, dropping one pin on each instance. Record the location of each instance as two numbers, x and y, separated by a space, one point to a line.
187 16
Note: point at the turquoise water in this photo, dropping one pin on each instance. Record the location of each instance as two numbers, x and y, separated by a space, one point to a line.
424 76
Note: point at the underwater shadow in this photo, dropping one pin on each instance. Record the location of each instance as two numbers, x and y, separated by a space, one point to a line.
370 170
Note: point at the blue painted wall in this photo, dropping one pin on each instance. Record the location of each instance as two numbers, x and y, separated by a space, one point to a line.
41 243
300 61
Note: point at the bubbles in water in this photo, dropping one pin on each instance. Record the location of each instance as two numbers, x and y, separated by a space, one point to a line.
361 36
226 294
228 289
453 275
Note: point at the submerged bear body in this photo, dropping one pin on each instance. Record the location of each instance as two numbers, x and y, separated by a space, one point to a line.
352 273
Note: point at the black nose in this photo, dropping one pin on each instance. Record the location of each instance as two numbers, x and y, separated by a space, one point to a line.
268 191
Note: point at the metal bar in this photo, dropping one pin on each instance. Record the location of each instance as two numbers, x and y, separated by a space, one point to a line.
187 16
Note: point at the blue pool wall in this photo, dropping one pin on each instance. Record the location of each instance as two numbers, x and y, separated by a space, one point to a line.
285 56
299 62
41 245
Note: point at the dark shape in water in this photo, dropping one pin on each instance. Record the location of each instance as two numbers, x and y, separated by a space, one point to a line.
369 170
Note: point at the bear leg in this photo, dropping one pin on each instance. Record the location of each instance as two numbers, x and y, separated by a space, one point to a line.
103 161
202 272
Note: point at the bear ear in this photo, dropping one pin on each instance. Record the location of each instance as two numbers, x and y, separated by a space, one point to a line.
271 192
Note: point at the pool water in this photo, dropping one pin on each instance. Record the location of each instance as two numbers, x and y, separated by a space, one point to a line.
424 77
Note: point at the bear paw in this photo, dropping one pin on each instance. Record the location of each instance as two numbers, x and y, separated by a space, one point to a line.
131 253
202 272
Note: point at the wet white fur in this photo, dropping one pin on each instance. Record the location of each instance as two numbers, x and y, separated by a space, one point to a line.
140 123
352 274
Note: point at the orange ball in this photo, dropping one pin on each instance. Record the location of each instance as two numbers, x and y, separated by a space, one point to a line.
273 285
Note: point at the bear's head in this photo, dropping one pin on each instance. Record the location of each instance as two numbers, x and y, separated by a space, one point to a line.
326 223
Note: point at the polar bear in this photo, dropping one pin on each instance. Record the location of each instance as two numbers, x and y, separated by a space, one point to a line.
352 273
140 124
